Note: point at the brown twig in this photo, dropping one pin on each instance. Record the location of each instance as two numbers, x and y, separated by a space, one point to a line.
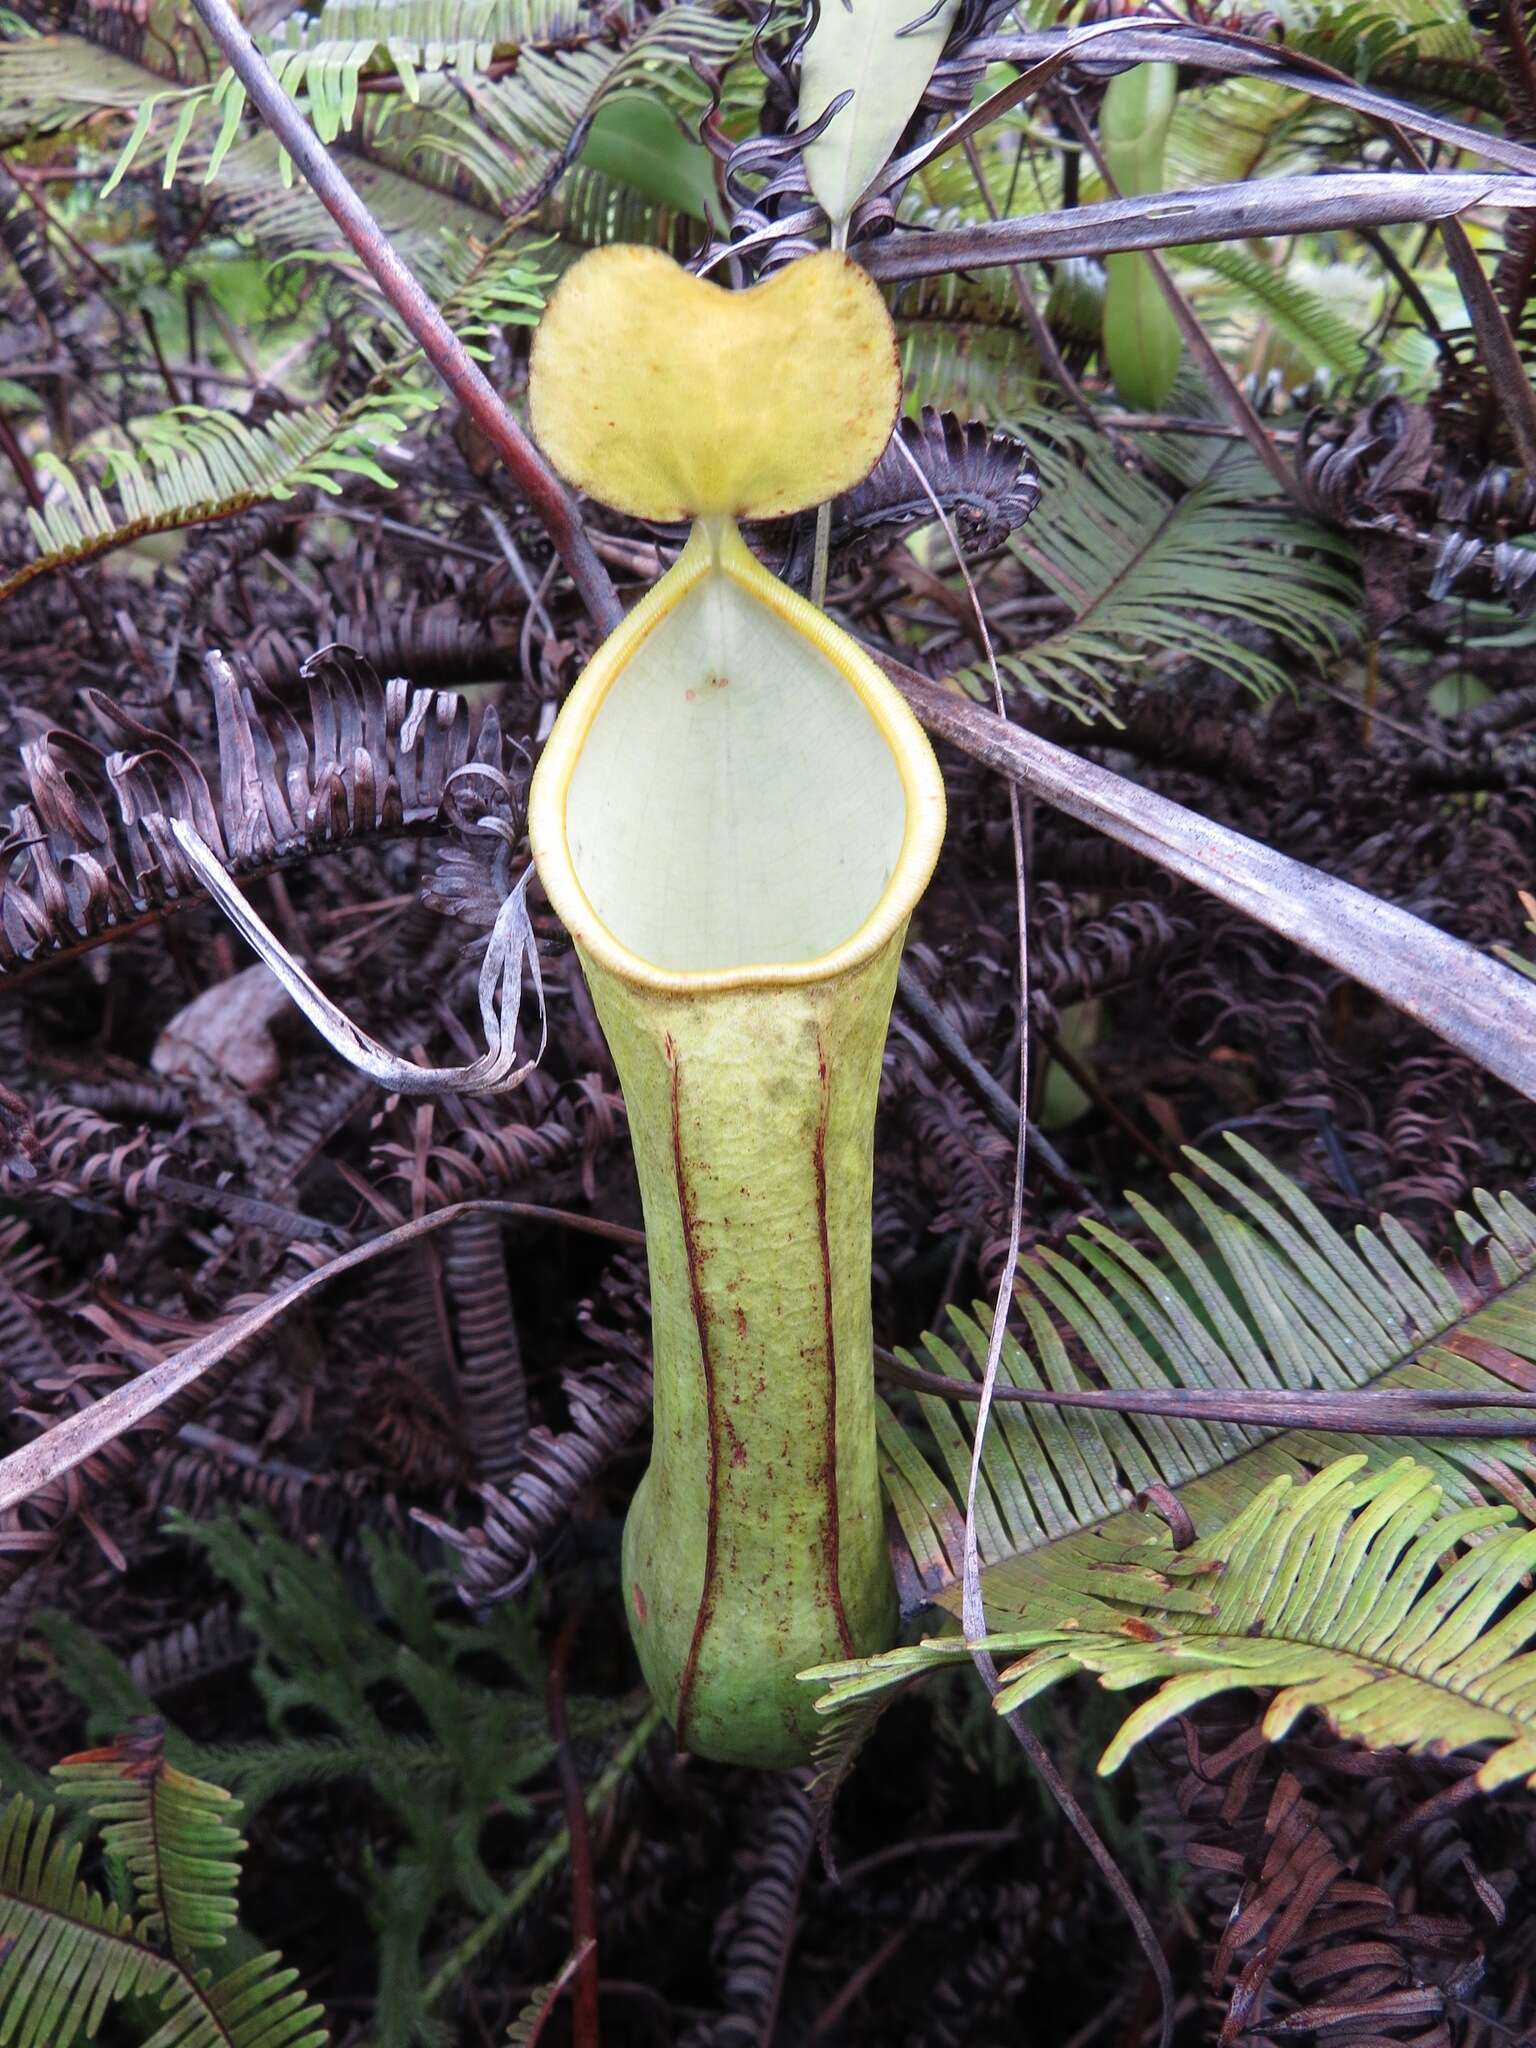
1225 386
1211 213
1389 1411
441 346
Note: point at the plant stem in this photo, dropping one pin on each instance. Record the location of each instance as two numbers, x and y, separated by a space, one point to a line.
1212 213
442 347
584 2026
547 1862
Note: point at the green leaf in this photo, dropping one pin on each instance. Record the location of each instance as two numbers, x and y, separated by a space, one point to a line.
883 52
637 140
1142 344
1275 1298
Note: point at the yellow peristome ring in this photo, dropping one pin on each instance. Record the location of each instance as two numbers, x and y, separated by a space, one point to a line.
921 781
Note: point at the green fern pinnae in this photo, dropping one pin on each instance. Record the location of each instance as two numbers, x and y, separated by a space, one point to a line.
1361 36
1354 1594
1298 312
173 1833
259 2005
53 83
1275 1299
562 58
69 1954
194 464
1153 577
519 130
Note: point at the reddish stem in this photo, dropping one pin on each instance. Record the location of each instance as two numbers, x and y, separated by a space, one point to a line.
584 2028
442 347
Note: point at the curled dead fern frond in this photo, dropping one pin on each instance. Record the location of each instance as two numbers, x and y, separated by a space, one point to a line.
498 1559
91 853
759 1928
984 480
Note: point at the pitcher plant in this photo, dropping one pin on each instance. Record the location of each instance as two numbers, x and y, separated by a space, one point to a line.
734 816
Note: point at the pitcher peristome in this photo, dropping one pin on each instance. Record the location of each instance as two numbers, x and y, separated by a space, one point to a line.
734 817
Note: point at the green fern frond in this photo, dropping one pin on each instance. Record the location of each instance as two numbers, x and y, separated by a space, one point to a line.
173 1834
535 72
1152 576
283 220
1276 1299
259 2005
590 209
193 464
518 131
53 83
962 347
1238 128
1354 1594
68 1953
1297 311
1363 36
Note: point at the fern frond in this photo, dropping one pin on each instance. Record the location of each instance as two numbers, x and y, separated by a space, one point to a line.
589 209
1353 1594
534 71
52 83
1299 312
192 464
68 1953
259 2005
171 1832
284 220
962 348
1153 576
1367 38
518 131
1276 1299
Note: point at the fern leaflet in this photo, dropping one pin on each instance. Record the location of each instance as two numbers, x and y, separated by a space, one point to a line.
170 1831
1334 1595
70 1953
193 464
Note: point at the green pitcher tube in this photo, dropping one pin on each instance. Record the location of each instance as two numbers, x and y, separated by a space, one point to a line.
734 816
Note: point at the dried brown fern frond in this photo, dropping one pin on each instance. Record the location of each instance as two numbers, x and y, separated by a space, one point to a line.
1303 1946
92 853
83 1152
498 1559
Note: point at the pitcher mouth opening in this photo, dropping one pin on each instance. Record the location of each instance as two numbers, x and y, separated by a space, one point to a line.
733 796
